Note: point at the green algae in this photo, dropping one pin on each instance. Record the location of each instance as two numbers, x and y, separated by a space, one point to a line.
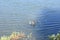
17 36
54 37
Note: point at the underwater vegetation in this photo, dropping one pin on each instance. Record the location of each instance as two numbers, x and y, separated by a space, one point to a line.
55 37
18 36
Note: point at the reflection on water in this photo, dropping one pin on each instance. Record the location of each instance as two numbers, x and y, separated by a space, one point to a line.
46 25
50 23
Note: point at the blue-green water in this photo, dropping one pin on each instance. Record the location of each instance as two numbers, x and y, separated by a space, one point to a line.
15 16
48 24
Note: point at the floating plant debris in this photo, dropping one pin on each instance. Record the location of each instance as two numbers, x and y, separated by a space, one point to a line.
55 37
17 36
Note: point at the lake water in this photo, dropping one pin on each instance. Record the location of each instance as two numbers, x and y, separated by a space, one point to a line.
15 16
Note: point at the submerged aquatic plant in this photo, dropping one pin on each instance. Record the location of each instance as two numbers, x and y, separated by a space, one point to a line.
5 38
52 37
17 36
55 37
